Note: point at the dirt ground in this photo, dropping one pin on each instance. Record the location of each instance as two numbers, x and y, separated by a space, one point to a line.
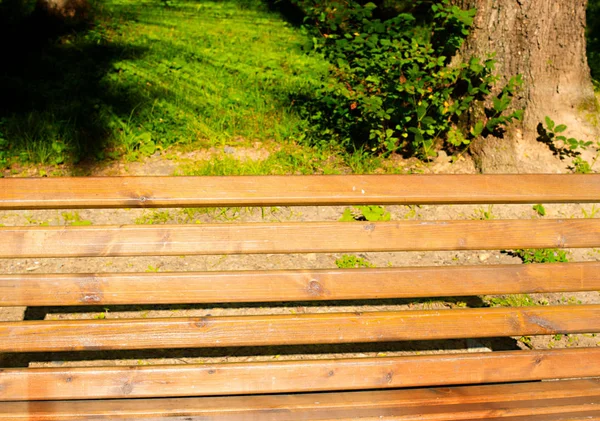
158 165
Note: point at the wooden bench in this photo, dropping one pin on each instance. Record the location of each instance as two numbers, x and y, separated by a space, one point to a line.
433 386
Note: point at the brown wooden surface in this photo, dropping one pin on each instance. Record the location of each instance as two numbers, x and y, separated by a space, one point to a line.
463 402
264 405
572 416
299 237
349 415
294 285
296 376
322 328
107 192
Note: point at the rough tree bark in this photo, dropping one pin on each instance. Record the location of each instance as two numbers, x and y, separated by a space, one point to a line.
544 41
64 12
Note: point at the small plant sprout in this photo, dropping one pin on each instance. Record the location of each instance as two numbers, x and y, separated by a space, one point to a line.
540 210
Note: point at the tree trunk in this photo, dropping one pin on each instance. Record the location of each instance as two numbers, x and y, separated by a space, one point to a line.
64 12
544 41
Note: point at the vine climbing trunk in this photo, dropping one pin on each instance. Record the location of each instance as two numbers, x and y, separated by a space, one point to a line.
544 41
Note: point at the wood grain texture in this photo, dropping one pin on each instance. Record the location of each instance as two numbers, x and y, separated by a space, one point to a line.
570 416
116 192
320 328
294 285
266 405
299 237
452 403
296 376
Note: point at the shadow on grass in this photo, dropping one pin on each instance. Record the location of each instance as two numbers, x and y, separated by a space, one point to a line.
56 100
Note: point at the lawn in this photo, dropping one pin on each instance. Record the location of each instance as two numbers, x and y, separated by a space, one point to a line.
153 74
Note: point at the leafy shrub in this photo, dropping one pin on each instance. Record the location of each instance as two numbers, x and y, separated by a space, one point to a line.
593 38
392 86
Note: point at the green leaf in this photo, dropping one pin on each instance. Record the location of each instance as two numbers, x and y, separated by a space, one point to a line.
477 129
540 210
429 121
549 123
560 128
347 216
374 213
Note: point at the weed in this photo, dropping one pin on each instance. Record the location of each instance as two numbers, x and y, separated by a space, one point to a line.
227 214
540 255
348 261
73 218
412 212
592 213
101 316
30 220
526 340
365 213
539 209
563 146
513 300
152 268
484 214
154 217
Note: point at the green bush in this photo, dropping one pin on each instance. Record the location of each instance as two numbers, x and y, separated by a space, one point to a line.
392 86
593 38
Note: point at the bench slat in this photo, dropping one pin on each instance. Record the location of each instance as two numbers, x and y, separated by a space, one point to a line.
296 376
93 241
323 328
264 405
115 192
470 402
570 416
294 285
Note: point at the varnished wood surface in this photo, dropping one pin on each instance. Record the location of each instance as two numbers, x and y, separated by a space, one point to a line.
115 192
570 416
296 376
294 285
452 403
298 237
266 405
323 328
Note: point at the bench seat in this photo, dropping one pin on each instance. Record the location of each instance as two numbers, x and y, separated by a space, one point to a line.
513 384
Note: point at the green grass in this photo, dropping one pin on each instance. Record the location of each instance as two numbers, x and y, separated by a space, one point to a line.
214 70
288 160
148 76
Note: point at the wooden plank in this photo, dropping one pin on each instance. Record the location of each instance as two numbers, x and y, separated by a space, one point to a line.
468 402
299 237
265 405
571 416
294 285
118 192
319 328
296 376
